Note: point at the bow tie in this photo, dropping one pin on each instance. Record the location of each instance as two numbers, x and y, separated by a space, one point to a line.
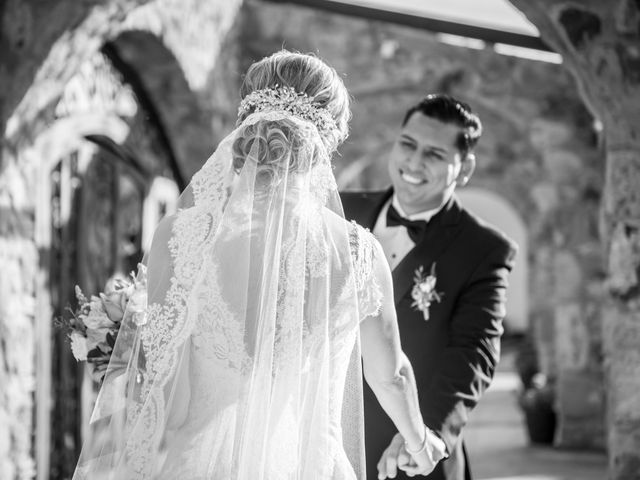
415 228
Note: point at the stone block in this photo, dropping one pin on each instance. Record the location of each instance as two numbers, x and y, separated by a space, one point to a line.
548 134
580 404
572 340
567 276
563 166
18 259
545 196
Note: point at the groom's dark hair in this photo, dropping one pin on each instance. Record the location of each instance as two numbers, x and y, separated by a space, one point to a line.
447 109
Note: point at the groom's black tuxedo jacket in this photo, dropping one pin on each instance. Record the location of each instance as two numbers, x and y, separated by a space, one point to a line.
455 352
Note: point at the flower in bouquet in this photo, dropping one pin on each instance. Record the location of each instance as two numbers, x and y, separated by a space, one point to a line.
94 326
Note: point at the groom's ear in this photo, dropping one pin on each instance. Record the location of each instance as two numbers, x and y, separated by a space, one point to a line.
467 167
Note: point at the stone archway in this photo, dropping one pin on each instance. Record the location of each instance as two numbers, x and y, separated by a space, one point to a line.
497 210
102 178
185 118
57 147
43 48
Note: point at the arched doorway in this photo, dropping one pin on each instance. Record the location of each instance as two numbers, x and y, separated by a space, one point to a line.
104 181
496 210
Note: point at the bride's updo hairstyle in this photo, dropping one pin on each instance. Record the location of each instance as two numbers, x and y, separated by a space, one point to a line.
279 77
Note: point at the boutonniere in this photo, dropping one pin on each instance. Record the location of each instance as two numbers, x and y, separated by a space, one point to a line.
424 290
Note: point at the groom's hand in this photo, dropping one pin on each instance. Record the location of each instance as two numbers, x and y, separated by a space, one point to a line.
394 457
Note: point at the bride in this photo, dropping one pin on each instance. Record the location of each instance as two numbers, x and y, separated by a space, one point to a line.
263 305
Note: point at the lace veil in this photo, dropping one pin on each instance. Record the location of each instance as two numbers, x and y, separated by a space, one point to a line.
247 362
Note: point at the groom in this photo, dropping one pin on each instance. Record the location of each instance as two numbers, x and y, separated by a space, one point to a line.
450 278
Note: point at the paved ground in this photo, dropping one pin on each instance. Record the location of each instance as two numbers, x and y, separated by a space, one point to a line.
499 447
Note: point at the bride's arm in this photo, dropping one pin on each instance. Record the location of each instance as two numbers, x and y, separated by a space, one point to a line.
388 370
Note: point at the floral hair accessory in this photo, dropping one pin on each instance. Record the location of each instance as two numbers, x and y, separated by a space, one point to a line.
286 99
424 290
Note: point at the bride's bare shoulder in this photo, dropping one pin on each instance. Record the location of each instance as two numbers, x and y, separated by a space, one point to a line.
361 240
338 222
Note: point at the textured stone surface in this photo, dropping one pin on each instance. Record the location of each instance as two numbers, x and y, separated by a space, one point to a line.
623 202
599 43
168 48
621 340
186 119
169 22
40 44
624 258
571 343
582 400
18 258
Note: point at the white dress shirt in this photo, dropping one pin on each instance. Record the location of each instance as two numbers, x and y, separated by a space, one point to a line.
395 240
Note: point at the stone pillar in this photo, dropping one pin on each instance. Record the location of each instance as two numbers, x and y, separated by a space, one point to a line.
18 264
621 320
600 44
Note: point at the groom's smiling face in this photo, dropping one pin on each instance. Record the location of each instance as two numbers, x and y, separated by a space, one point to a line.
425 165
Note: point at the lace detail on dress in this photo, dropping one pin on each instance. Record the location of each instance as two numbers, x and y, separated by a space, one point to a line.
323 181
362 244
317 248
168 326
207 183
218 335
291 287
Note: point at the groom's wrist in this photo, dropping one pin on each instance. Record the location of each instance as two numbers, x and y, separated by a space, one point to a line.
439 447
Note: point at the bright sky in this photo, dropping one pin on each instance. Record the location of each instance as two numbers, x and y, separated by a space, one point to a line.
496 14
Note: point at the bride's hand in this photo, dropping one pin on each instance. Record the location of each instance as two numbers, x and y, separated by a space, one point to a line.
420 464
422 460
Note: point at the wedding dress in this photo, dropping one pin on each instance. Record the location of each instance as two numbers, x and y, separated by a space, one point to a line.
247 363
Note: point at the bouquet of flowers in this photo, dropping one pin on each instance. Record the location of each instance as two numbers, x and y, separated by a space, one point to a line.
93 327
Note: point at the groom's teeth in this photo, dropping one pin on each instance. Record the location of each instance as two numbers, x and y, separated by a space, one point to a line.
411 179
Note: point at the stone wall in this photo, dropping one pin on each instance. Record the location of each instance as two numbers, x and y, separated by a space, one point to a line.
159 42
19 262
599 42
540 151
171 50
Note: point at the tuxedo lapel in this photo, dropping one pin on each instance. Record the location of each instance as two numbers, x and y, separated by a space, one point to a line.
441 230
367 217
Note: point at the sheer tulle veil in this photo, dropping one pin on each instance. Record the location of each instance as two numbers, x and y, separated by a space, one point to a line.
249 344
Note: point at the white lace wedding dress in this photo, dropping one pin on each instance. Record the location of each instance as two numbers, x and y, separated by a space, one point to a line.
202 447
247 366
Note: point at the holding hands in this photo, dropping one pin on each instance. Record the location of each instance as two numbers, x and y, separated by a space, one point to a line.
420 460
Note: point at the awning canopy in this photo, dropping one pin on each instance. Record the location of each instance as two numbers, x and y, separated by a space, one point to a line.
492 21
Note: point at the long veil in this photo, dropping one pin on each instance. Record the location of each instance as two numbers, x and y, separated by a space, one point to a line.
246 364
